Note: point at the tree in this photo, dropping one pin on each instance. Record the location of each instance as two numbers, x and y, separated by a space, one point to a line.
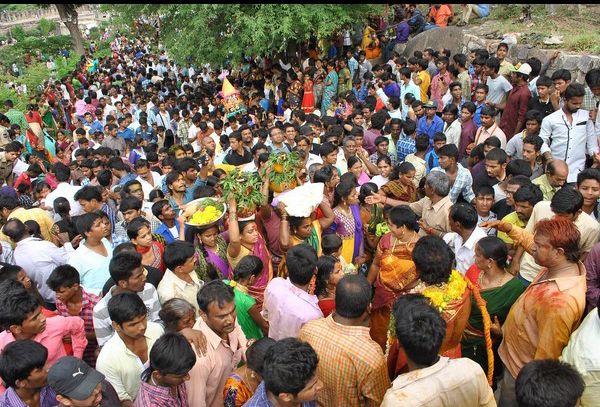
68 15
217 32
46 27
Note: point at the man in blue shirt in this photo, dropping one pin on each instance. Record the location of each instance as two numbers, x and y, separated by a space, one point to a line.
169 228
481 92
146 132
125 132
432 158
430 123
288 357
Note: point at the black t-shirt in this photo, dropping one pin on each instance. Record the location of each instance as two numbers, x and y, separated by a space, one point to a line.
233 158
501 209
544 108
483 179
154 276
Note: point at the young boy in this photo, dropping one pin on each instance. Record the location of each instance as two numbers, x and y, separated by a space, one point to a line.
432 159
73 300
542 102
484 200
532 145
21 318
332 246
23 368
180 279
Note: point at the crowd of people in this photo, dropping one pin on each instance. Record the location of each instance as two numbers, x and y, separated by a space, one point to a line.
451 257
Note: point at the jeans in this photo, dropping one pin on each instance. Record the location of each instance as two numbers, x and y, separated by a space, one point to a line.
471 8
429 26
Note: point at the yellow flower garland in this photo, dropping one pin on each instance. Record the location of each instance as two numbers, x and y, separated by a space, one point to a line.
441 296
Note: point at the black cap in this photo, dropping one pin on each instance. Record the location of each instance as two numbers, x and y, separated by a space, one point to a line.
73 378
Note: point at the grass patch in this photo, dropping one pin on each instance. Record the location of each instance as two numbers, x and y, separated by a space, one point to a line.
586 42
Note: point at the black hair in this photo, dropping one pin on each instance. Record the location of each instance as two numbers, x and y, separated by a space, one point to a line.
15 229
420 328
134 227
422 142
409 126
448 150
288 366
248 266
130 202
125 307
256 353
518 166
485 190
19 358
177 253
403 216
367 189
352 296
488 110
574 90
493 63
566 200
15 304
535 140
327 148
465 214
301 261
498 155
158 206
9 272
439 136
325 266
212 291
89 192
529 193
592 78
495 249
121 266
155 193
548 383
588 173
86 221
331 243
470 106
563 74
433 260
63 276
104 177
170 354
534 115
544 81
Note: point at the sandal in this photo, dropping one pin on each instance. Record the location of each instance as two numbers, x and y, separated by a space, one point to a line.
461 24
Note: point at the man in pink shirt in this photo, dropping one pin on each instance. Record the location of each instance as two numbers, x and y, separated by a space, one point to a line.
440 82
226 345
288 305
21 318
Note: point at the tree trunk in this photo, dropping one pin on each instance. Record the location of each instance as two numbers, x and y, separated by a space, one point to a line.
68 15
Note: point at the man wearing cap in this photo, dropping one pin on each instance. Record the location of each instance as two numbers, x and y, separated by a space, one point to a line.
515 106
77 384
430 123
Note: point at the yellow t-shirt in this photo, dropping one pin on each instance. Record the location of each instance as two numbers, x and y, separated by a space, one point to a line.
514 220
424 86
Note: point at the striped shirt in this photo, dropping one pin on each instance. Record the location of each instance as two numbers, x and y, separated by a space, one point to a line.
102 321
351 365
150 396
12 399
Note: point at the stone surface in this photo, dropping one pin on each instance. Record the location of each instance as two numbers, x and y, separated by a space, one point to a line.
459 40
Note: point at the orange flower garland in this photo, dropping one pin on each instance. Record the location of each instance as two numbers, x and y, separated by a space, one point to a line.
487 322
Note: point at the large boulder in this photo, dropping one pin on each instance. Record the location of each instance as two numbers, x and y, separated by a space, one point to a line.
452 38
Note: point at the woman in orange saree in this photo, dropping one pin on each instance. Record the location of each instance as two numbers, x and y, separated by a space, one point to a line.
393 270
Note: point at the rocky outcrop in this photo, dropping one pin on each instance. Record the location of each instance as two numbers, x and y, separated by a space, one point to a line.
459 40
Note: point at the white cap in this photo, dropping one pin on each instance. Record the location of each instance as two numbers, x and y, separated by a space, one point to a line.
525 69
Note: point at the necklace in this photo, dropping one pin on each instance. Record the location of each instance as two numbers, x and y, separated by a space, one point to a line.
499 282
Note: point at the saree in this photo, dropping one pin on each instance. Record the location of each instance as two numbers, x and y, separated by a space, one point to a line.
235 392
456 315
350 230
396 190
344 81
498 300
259 250
204 255
293 95
330 90
308 100
396 272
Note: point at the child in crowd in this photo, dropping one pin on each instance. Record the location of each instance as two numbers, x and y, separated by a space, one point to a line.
484 200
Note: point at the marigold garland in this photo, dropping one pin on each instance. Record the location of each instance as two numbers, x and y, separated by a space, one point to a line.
487 322
441 296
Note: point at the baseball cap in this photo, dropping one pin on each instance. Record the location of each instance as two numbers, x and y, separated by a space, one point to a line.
431 104
73 378
525 69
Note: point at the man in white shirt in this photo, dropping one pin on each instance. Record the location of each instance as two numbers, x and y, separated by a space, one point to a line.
36 256
64 189
568 134
464 236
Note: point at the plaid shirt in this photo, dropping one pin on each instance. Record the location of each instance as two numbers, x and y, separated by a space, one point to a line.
404 147
151 396
463 184
87 314
11 399
260 399
351 365
590 102
375 156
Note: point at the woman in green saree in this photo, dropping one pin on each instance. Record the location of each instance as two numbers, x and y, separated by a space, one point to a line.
500 290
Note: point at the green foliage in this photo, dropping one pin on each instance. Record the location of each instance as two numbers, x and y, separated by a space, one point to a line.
584 42
18 33
46 27
64 66
216 32
18 7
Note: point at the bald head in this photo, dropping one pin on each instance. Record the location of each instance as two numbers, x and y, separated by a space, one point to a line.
557 172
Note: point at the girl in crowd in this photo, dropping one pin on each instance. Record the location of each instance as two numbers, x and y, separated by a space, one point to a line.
347 223
152 251
401 186
211 249
329 274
